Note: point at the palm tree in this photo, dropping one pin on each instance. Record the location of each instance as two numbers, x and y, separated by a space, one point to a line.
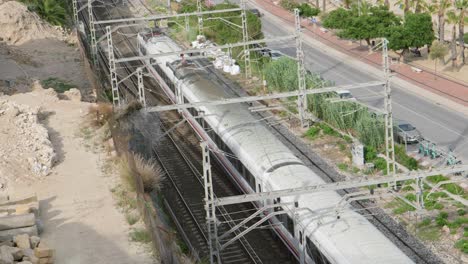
438 52
416 6
440 7
403 4
347 3
461 6
452 18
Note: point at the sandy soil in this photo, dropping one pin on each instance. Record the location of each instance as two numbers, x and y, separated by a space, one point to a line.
77 209
32 50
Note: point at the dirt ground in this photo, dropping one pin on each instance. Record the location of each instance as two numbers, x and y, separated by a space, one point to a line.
79 217
31 49
78 214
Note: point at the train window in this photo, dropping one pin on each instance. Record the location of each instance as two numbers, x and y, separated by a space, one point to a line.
152 61
314 253
259 188
300 237
288 224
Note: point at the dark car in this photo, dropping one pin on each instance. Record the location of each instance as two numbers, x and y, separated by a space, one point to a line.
256 12
405 132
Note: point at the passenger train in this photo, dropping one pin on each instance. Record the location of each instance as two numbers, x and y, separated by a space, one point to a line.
264 163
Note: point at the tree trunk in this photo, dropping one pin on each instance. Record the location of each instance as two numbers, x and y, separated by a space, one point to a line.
454 46
324 2
441 27
387 3
461 32
17 221
406 7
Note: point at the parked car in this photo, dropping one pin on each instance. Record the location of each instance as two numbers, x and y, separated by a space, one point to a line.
276 55
405 132
256 12
345 94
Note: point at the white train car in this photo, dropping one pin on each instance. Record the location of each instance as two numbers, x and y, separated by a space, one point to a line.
263 163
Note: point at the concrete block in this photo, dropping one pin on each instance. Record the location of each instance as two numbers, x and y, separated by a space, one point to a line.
22 241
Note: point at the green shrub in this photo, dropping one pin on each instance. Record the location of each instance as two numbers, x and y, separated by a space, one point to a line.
441 219
380 164
403 208
453 188
402 157
289 4
53 11
429 233
461 212
140 235
342 166
425 222
328 130
369 153
437 178
57 84
305 10
438 206
462 244
312 132
411 197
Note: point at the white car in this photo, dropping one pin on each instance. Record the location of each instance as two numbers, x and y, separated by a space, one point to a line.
345 94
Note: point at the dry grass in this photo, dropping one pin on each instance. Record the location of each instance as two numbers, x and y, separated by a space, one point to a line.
101 113
134 166
150 174
128 109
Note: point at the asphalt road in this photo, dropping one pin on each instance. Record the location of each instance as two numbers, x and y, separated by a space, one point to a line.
447 128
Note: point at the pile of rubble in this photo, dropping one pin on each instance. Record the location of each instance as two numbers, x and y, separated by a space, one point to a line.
19 241
26 150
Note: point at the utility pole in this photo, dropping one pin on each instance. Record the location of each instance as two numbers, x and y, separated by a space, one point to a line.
389 140
92 30
75 12
210 208
245 39
301 99
200 18
141 87
112 70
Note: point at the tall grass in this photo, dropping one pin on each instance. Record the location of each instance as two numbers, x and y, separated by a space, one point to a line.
133 168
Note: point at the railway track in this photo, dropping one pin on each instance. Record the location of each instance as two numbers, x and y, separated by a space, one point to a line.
184 190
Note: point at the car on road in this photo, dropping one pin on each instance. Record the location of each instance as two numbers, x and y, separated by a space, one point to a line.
345 94
255 12
406 133
276 55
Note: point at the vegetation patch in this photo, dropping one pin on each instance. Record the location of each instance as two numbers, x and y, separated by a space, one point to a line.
429 233
57 84
140 235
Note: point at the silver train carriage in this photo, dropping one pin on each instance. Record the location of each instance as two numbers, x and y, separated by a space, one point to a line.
264 163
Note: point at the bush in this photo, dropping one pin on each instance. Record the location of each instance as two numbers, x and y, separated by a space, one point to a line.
343 166
437 178
453 188
411 197
53 11
425 222
312 132
151 175
461 212
102 112
403 158
370 153
403 208
140 235
328 130
305 10
441 219
380 164
289 4
57 84
462 244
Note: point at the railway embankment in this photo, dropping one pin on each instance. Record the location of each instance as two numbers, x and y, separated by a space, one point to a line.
49 148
